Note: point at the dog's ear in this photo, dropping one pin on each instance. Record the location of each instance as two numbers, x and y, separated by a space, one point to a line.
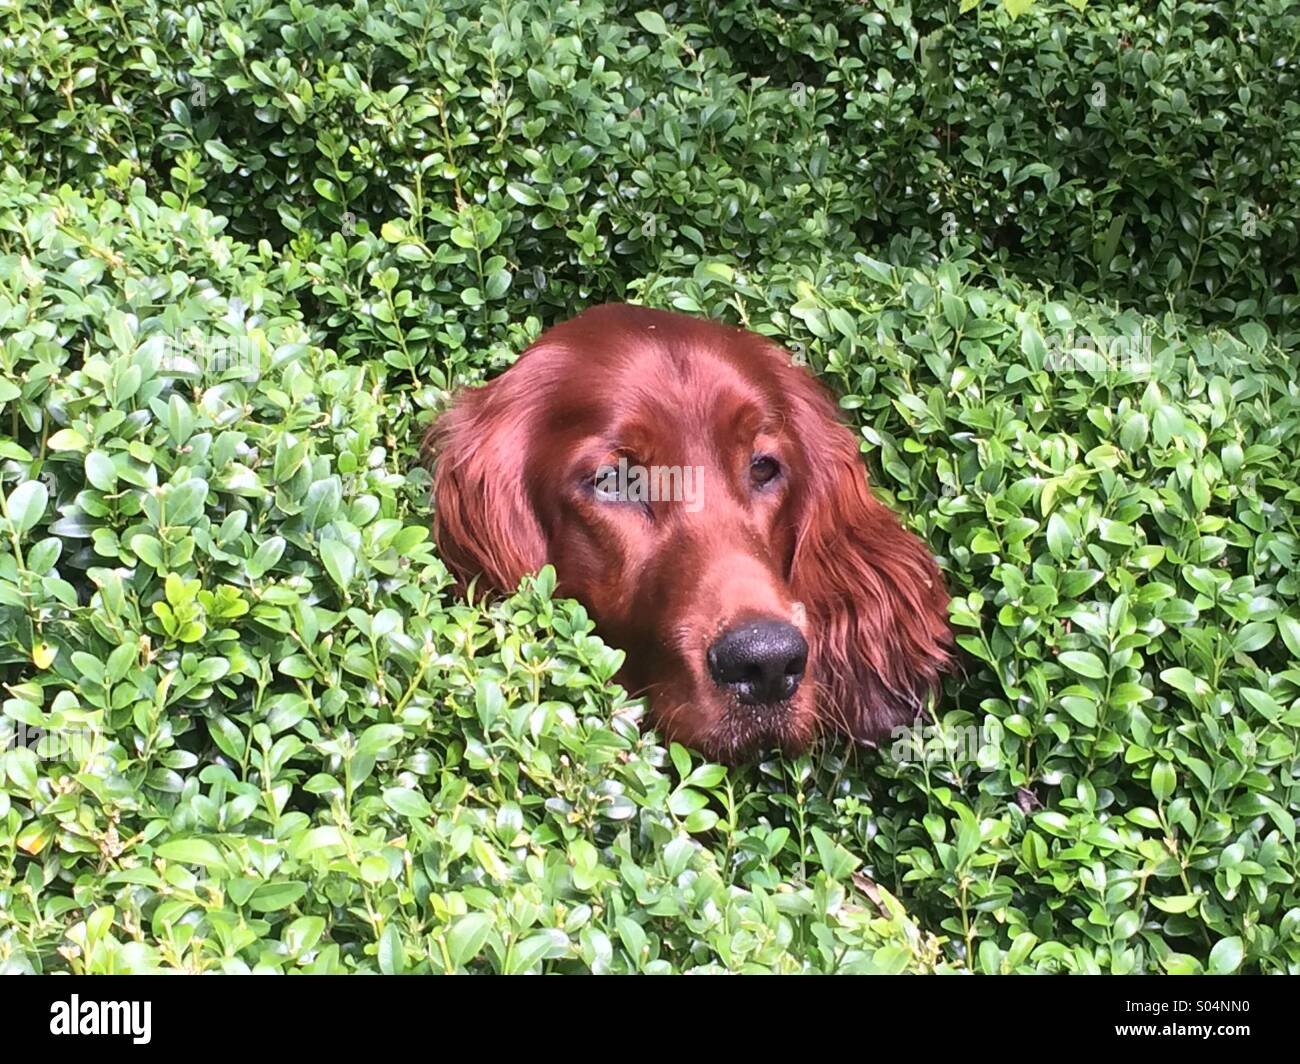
875 598
483 520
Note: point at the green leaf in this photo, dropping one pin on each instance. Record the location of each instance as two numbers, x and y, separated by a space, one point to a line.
1226 956
67 440
1163 780
191 851
265 557
1178 903
392 955
226 734
652 22
1252 637
100 471
466 937
1288 628
1183 680
26 504
1084 663
1133 436
340 562
273 897
838 862
1060 540
408 802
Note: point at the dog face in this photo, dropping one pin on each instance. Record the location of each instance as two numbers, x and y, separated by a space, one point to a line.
696 492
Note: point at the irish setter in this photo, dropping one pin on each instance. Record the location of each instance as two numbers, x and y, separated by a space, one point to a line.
696 491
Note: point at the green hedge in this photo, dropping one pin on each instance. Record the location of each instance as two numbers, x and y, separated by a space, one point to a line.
1113 499
1142 152
247 250
305 754
1145 153
313 756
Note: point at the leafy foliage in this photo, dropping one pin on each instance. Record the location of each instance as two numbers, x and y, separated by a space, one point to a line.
247 250
1135 153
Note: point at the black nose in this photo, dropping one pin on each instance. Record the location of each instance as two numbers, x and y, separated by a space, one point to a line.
760 662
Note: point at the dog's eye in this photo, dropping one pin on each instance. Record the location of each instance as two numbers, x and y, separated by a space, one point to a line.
763 469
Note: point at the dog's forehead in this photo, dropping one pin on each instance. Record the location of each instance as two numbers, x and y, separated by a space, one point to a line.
656 381
687 391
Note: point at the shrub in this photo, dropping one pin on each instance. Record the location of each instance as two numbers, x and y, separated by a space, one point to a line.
1112 498
300 752
247 250
1145 153
311 756
1145 156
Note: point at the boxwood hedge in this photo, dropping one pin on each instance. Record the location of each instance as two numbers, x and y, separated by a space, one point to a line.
1142 152
247 250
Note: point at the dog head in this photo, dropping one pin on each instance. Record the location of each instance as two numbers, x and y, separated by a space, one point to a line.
697 492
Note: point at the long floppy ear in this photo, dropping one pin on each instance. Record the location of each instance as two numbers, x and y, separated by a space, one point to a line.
875 599
483 519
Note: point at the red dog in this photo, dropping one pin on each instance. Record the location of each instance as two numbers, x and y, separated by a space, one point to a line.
698 494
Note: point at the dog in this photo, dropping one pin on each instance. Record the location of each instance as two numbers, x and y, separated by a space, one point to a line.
696 491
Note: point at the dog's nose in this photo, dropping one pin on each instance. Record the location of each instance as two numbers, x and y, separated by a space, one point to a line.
760 662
